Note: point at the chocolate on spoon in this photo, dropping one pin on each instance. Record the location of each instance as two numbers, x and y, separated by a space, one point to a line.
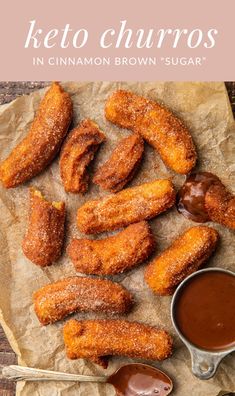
134 379
138 379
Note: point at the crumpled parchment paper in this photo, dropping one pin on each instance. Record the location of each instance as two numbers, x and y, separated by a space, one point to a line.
206 110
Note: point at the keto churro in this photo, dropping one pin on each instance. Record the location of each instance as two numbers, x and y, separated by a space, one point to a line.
114 254
157 125
186 255
203 197
121 166
57 300
220 205
96 339
76 154
127 206
43 240
39 147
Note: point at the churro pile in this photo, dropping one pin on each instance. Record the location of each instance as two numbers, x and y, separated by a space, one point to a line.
125 210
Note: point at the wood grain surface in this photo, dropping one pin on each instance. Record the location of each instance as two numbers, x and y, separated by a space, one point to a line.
8 91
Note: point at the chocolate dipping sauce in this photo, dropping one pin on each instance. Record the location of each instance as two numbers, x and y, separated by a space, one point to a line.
140 380
205 311
191 196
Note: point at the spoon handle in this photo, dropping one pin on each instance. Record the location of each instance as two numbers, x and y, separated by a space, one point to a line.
20 373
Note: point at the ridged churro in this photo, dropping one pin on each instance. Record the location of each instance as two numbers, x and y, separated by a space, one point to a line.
186 255
76 154
157 125
115 254
96 339
127 206
57 300
43 240
121 166
39 147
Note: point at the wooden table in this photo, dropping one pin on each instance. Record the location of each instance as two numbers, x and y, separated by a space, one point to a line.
8 92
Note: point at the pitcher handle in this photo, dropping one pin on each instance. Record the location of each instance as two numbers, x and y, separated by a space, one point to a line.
204 364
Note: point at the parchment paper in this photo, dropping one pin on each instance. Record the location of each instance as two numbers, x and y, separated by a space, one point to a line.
206 110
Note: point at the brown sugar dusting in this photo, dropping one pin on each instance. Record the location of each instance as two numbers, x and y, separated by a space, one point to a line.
43 140
122 165
128 206
114 254
186 255
77 152
57 300
157 125
89 339
43 241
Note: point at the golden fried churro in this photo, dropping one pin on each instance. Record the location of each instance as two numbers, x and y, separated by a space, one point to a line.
76 154
186 255
203 197
127 206
43 140
121 166
95 339
57 300
114 254
157 125
220 205
43 240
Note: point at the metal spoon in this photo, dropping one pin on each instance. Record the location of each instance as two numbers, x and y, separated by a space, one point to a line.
133 379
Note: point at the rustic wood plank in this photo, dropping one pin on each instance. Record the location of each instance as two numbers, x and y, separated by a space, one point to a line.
10 90
7 357
230 85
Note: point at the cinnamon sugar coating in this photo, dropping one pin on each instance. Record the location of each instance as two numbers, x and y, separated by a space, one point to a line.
220 205
39 147
122 164
43 241
96 339
115 254
186 255
126 207
57 300
76 154
157 125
